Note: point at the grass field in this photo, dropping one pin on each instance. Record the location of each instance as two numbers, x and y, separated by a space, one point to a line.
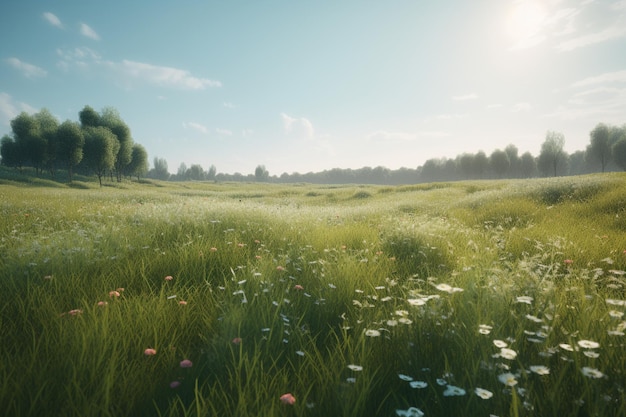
502 298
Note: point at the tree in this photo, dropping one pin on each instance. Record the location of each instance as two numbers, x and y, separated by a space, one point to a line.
89 117
181 174
552 158
528 165
48 125
619 153
210 175
100 149
514 160
11 153
600 149
111 118
160 169
70 141
28 136
500 162
261 174
138 165
195 172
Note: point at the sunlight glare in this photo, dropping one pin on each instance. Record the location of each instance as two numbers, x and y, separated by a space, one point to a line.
525 22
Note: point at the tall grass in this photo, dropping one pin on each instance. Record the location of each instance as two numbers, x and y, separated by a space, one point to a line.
356 300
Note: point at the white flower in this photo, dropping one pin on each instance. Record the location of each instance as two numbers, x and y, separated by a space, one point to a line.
591 354
524 299
507 379
507 353
411 412
565 346
392 323
484 329
500 343
452 391
534 318
588 344
416 301
372 333
356 368
591 372
405 377
483 393
447 288
540 369
418 384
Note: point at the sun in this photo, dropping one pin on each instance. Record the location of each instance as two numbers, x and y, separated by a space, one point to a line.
525 23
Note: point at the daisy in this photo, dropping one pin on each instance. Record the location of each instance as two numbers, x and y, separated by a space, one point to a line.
507 379
540 369
483 393
591 372
588 344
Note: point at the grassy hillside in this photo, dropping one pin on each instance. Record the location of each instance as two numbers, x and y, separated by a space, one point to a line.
501 298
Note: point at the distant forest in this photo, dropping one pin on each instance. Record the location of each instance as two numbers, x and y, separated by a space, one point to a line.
101 144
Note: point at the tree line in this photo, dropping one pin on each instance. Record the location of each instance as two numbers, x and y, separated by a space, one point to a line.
100 144
606 151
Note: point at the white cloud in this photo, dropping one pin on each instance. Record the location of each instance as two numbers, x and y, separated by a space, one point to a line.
607 34
608 77
223 132
386 136
53 20
10 108
128 71
297 126
166 76
521 107
494 106
196 126
27 70
465 97
87 31
229 105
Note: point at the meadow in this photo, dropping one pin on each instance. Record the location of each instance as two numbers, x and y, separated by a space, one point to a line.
479 298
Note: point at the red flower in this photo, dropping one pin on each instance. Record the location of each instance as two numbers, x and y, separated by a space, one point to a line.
288 399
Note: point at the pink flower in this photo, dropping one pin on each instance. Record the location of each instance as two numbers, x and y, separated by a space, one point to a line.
174 384
182 302
288 399
280 268
241 245
237 340
102 303
75 312
213 249
568 262
298 287
169 278
149 352
114 294
186 363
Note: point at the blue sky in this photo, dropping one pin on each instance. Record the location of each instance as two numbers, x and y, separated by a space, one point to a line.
311 85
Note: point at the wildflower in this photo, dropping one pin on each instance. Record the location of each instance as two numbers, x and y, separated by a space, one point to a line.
182 302
591 354
75 312
372 333
288 399
298 287
150 352
614 302
447 288
418 384
299 353
534 318
416 301
540 369
392 323
591 372
236 340
174 384
616 314
452 391
405 377
280 268
507 353
484 329
411 412
48 277
355 368
114 294
213 249
186 363
500 343
568 262
351 380
102 303
169 278
588 344
404 320
483 393
565 346
507 379
524 299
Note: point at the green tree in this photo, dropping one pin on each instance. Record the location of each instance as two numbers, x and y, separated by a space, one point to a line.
514 160
31 142
160 169
600 149
89 117
111 118
261 174
100 149
70 141
138 162
528 165
11 153
211 173
500 163
552 158
48 125
619 153
195 172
